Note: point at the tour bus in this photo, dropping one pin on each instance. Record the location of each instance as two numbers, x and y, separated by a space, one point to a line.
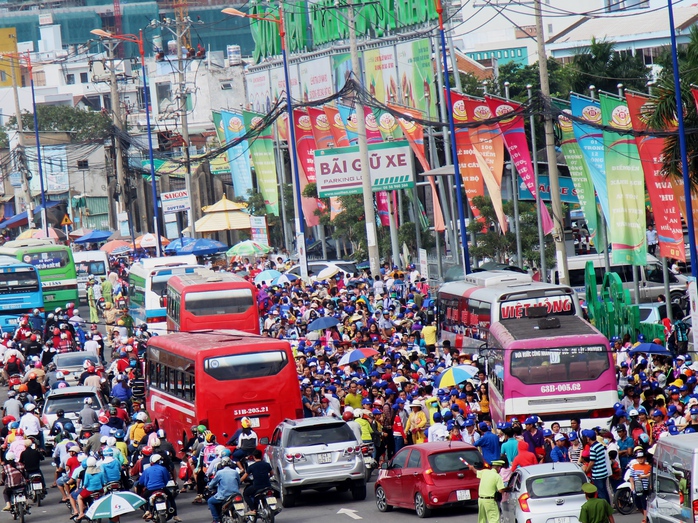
467 308
206 299
20 292
147 287
90 263
554 367
650 277
215 378
55 265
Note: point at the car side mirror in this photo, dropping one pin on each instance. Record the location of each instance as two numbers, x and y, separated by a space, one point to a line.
385 465
264 441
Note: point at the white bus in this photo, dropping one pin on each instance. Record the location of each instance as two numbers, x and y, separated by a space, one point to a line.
147 288
467 308
90 263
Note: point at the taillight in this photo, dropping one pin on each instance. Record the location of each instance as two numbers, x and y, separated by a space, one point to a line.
365 449
294 457
350 450
237 499
156 319
695 511
428 478
523 502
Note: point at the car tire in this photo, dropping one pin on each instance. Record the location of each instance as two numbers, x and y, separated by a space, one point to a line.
358 491
382 501
288 498
420 506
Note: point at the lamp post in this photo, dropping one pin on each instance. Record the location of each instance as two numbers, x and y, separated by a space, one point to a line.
454 147
300 223
153 182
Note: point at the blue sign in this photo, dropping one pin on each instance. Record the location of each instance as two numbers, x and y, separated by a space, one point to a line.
568 194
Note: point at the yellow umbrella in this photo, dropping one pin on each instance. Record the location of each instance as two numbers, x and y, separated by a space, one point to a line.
223 221
224 205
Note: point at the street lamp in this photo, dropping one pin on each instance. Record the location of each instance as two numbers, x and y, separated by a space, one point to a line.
153 182
300 223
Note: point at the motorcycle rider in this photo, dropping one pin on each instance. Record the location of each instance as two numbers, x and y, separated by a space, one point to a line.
31 458
260 472
227 483
155 478
13 476
245 439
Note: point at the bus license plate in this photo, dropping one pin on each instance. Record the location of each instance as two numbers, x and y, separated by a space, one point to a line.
324 458
463 495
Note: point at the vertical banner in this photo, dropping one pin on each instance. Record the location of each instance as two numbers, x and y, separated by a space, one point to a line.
321 128
626 184
339 132
667 217
416 68
262 151
387 125
381 73
579 173
486 138
238 156
590 142
382 207
305 151
514 135
373 132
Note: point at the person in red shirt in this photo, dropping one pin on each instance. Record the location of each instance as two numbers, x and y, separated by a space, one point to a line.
70 465
524 458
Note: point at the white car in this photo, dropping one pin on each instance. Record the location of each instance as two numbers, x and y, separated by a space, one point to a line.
71 364
70 400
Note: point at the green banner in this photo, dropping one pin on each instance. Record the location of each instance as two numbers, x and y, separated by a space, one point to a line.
262 151
626 184
581 178
416 75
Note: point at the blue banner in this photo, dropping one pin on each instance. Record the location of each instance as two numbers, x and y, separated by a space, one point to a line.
349 118
568 193
591 143
238 156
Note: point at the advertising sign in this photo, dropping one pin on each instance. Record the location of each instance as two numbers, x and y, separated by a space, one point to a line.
380 68
175 201
416 70
259 91
338 171
316 79
260 233
568 192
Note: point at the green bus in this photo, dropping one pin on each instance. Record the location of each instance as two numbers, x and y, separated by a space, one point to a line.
59 280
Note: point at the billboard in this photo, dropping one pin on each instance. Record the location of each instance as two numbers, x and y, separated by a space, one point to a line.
316 79
259 98
380 69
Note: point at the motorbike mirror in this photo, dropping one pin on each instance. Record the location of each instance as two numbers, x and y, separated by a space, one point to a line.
264 441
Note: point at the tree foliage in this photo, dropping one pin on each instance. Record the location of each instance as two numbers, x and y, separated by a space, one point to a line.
84 125
519 76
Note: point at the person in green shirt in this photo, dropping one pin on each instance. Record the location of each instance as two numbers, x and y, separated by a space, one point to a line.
490 483
595 510
353 397
92 302
128 320
107 289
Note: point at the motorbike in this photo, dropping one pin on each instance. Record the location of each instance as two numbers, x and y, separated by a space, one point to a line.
36 490
233 510
18 503
623 499
367 451
14 381
159 506
266 506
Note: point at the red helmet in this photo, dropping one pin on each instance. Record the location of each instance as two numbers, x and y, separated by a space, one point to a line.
8 419
348 416
91 368
56 331
147 451
149 428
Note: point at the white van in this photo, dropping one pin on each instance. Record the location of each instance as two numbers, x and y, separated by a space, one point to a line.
674 495
89 263
651 278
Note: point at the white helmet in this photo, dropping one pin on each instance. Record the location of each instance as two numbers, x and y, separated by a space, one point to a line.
155 458
10 456
142 416
88 401
219 449
91 461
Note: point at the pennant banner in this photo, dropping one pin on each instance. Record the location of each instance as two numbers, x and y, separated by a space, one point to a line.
512 130
382 208
305 151
665 206
626 184
238 156
337 128
322 131
262 151
349 121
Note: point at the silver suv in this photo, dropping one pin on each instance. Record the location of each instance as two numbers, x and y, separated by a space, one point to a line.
316 453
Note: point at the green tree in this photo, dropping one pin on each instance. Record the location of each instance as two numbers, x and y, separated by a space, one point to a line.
604 67
84 125
519 76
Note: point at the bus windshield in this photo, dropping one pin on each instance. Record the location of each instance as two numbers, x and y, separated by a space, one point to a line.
228 301
47 260
95 268
244 366
13 282
560 364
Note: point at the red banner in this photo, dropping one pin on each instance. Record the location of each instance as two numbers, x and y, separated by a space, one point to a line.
321 128
512 131
336 126
667 218
305 149
382 208
373 132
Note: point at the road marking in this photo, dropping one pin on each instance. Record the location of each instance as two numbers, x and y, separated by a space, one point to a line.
349 512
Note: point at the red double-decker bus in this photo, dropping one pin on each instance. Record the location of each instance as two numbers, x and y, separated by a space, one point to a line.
215 378
205 299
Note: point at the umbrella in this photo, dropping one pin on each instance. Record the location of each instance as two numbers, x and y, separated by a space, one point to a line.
284 278
203 247
114 244
328 272
38 234
357 355
173 248
248 248
322 323
150 240
649 348
455 375
77 233
122 250
114 504
267 276
94 237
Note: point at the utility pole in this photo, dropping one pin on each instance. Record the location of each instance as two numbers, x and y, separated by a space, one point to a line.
369 213
558 231
22 160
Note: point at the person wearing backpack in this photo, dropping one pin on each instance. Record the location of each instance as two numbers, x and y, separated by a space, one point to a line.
207 453
679 336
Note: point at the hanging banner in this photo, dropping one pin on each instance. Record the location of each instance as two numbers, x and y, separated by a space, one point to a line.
514 135
590 141
382 208
414 133
373 132
238 156
568 192
579 172
416 69
262 151
337 128
305 151
380 70
626 184
387 125
321 128
316 79
667 217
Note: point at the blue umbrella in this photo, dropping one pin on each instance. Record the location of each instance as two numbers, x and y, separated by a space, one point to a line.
649 348
267 276
322 323
95 237
176 245
203 247
284 278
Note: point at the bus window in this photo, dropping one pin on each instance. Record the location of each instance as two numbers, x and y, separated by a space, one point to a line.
13 282
47 260
244 366
576 278
229 301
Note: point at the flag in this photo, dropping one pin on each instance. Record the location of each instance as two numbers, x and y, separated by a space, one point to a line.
262 151
238 156
305 151
337 128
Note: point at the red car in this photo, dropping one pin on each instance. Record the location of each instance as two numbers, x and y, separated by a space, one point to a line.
428 476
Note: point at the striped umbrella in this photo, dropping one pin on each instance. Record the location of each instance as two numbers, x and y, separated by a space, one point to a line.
452 376
114 504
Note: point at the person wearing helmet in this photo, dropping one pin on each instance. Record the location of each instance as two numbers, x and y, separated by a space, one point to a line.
245 439
154 478
34 386
260 472
227 483
88 416
348 416
31 346
12 406
13 364
91 483
31 458
13 477
31 424
205 455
